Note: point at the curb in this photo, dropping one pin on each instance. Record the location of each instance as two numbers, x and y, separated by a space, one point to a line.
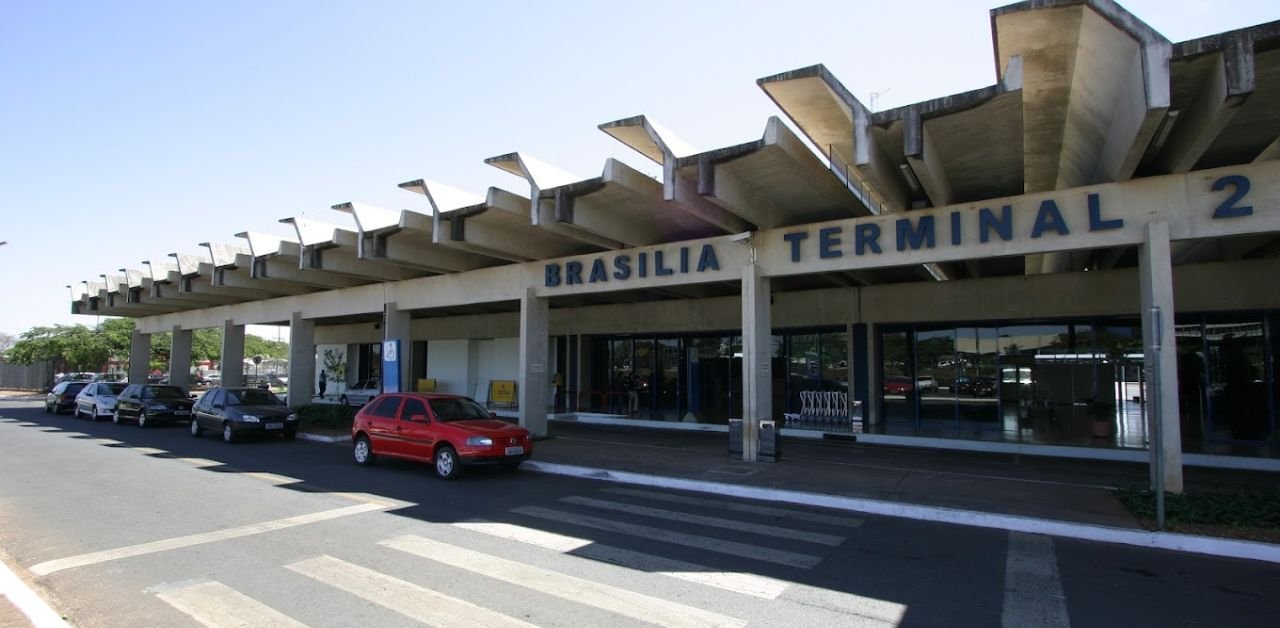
1211 546
321 438
28 601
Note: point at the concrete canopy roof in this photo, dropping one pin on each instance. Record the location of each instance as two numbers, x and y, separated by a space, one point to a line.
404 238
279 258
498 225
233 267
333 249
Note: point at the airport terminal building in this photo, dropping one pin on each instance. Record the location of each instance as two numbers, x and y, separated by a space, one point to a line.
1077 260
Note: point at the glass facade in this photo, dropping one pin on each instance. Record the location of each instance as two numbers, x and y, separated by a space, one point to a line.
1079 382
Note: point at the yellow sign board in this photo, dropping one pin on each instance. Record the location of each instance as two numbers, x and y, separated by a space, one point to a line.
426 385
502 391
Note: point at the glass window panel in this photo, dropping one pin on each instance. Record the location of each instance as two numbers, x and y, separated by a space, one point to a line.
1237 381
897 386
802 368
935 376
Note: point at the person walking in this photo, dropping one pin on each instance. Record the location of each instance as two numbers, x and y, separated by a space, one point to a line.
324 383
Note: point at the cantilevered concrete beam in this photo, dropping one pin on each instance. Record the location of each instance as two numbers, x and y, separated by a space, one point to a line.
543 179
648 138
403 238
497 225
775 181
840 126
280 259
332 248
197 270
1227 85
233 267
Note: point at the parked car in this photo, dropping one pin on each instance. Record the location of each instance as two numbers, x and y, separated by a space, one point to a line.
449 431
976 386
98 400
238 412
926 383
899 385
361 392
62 397
149 404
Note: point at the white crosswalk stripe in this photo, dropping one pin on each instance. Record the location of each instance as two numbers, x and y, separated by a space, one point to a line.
744 583
1032 588
768 511
627 603
216 605
715 522
408 599
734 548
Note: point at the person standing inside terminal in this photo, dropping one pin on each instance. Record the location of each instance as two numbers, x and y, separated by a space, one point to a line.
323 383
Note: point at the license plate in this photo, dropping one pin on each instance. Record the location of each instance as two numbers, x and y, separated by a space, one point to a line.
515 451
181 412
275 426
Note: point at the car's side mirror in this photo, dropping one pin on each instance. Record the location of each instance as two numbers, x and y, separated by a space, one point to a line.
493 415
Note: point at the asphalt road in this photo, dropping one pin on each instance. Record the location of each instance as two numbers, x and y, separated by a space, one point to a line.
131 527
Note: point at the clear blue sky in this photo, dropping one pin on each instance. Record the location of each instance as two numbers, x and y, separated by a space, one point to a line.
131 130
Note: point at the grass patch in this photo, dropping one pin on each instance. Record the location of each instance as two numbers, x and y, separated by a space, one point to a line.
1256 511
326 416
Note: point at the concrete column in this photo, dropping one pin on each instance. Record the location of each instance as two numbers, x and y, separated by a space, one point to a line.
232 354
533 382
302 360
757 370
139 357
1155 276
395 326
180 357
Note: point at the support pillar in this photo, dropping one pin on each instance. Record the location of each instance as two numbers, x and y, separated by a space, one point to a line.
139 357
232 367
395 326
533 382
302 360
180 357
757 359
1155 276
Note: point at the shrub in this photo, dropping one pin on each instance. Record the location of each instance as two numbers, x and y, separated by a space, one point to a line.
326 415
1255 510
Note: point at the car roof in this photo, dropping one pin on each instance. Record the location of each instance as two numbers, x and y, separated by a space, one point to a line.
429 396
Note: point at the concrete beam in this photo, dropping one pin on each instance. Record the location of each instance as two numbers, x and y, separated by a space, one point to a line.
332 248
1227 86
497 225
544 179
404 238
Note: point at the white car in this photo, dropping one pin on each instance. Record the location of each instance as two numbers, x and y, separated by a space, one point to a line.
361 392
98 399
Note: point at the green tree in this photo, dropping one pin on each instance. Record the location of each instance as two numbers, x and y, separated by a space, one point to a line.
254 345
71 347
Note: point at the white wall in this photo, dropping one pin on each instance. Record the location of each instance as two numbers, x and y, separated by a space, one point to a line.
334 385
449 363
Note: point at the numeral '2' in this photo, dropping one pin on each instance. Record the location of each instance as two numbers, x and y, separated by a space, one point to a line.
1228 208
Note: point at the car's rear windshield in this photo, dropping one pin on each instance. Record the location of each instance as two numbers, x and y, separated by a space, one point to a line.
166 392
113 389
75 388
252 397
457 409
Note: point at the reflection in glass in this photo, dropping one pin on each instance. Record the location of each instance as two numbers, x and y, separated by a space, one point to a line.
897 383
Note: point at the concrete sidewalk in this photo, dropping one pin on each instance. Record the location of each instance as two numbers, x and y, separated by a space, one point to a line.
1050 495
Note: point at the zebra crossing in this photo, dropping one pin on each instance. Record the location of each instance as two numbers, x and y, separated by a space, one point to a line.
536 551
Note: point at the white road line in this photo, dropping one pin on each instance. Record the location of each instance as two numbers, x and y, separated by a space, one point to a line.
613 599
813 517
703 520
200 462
413 601
744 550
106 441
150 451
744 583
48 567
217 605
22 596
272 478
1032 590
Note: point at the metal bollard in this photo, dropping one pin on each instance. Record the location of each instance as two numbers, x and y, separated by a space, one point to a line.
770 442
735 439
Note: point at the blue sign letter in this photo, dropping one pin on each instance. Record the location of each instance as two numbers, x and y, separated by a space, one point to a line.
868 235
829 242
987 222
921 235
795 237
708 261
1096 223
552 275
1049 218
622 267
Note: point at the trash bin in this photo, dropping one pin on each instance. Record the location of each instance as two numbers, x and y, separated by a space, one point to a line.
735 439
770 442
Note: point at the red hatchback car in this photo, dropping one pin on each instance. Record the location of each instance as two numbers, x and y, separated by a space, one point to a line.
449 431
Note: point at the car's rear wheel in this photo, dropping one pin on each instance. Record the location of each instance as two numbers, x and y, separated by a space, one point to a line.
362 451
343 400
447 466
228 434
196 430
96 411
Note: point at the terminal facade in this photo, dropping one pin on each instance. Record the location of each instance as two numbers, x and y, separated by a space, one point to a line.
1076 260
